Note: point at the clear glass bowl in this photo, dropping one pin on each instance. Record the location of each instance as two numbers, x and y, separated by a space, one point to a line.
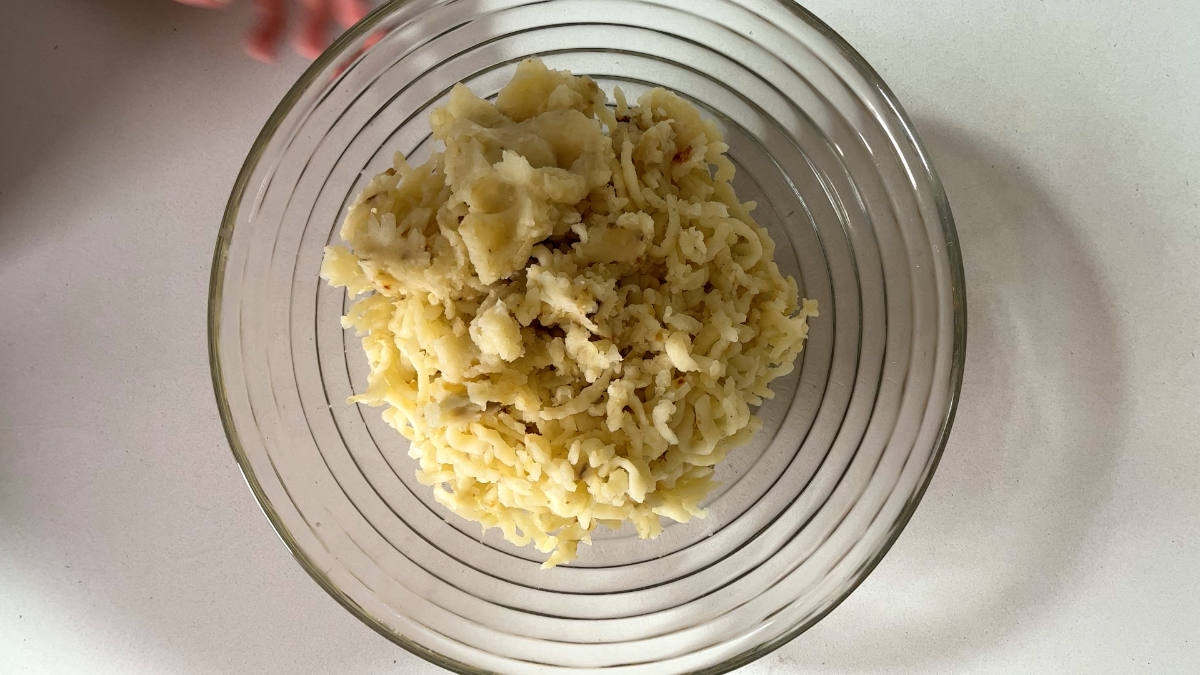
804 512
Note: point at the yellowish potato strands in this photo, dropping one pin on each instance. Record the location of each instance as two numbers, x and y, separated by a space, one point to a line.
568 311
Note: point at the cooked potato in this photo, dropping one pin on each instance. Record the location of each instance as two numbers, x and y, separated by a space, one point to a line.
567 311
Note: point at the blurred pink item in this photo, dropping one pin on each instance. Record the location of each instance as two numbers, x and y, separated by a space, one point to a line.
271 18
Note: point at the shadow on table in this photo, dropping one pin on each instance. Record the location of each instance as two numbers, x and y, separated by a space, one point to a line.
89 75
126 533
1000 539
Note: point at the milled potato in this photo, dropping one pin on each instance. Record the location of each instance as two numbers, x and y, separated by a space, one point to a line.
567 311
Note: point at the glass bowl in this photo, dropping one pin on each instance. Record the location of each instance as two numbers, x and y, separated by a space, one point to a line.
804 511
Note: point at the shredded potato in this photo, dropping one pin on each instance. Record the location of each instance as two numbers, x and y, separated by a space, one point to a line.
568 311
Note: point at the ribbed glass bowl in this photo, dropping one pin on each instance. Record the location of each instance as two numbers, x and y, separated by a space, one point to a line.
803 513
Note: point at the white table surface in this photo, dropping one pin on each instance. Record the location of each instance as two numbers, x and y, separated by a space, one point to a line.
1061 533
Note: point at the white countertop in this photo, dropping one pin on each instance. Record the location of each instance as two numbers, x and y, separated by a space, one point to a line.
1061 533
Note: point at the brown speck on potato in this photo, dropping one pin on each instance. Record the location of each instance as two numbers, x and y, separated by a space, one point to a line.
683 155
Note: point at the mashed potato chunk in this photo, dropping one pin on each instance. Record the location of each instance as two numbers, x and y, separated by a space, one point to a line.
567 310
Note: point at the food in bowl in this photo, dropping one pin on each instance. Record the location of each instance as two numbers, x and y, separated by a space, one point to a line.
567 311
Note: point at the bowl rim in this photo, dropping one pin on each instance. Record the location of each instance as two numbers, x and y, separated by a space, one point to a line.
335 50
